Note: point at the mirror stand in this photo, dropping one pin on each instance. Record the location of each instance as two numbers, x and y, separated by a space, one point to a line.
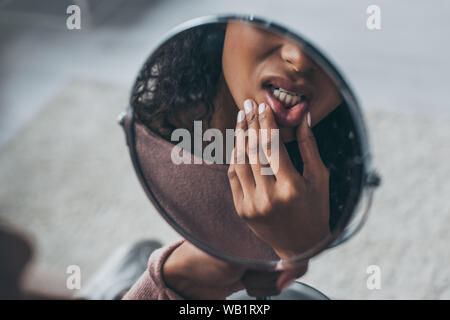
296 291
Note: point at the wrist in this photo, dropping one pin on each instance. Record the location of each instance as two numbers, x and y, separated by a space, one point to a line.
174 275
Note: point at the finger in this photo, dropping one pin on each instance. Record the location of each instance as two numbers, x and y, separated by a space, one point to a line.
312 163
261 283
273 148
236 188
253 146
289 276
241 165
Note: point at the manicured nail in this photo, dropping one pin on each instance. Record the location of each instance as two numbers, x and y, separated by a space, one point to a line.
241 116
248 106
308 119
261 108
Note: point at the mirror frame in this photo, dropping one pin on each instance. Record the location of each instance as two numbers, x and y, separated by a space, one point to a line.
370 179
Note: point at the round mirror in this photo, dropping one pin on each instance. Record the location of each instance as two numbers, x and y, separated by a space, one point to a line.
249 142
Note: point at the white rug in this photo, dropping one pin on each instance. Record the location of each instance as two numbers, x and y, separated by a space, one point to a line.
67 180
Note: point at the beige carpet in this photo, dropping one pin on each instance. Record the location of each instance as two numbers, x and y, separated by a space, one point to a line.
408 231
67 180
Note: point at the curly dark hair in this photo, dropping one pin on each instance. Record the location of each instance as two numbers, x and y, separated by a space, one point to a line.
182 75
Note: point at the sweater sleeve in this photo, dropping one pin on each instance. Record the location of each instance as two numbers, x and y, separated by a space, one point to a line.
151 286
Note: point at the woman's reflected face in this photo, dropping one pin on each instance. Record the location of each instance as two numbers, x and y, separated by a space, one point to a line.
265 67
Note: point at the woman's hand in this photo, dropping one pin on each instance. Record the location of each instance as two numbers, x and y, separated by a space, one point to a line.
194 274
288 211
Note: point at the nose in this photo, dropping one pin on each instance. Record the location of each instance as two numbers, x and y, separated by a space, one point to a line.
296 58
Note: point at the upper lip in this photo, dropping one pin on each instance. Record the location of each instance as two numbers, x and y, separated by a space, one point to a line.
289 85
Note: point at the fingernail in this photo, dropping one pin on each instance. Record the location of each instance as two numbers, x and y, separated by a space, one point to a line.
248 106
308 119
261 108
241 116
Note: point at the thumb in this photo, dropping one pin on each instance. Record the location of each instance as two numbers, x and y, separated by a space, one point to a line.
289 276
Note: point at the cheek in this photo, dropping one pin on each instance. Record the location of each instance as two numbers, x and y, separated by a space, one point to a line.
239 63
237 74
231 63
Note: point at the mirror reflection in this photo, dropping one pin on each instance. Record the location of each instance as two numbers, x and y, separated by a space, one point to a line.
244 142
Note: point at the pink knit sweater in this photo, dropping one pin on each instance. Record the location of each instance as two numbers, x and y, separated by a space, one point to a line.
150 285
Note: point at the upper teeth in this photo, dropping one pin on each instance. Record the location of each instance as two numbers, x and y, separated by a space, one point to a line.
288 98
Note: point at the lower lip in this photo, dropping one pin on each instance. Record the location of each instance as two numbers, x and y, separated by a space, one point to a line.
285 117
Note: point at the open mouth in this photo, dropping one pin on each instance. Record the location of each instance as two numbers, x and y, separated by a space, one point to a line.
287 98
